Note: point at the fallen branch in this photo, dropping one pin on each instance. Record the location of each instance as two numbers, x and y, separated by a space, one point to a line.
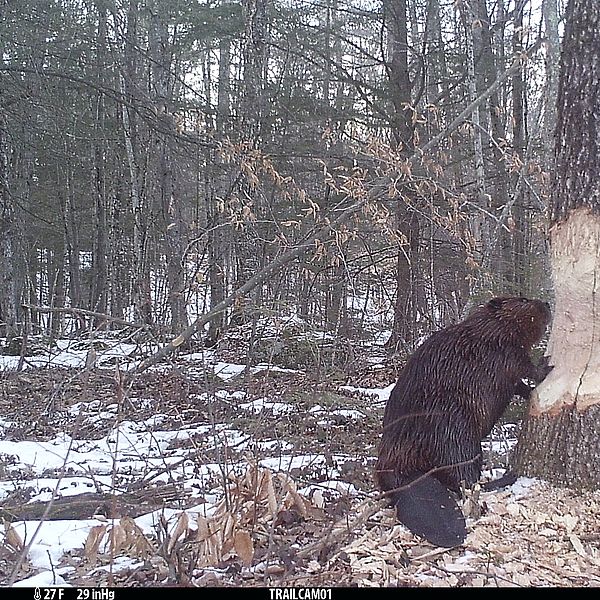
85 506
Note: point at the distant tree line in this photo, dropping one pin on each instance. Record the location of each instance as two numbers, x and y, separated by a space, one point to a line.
156 154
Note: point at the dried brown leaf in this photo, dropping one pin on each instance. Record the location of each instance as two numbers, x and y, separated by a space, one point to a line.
92 543
181 529
12 538
243 546
203 532
270 492
117 539
228 533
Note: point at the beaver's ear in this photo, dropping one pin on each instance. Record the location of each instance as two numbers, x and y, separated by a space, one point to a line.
495 303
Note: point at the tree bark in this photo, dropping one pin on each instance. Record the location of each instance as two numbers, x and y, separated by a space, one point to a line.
141 294
215 187
9 243
552 60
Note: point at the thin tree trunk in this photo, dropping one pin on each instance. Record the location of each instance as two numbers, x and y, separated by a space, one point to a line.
9 243
479 224
99 284
170 199
514 266
552 63
407 222
215 185
130 85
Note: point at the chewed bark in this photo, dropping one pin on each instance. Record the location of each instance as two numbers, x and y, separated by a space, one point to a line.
574 344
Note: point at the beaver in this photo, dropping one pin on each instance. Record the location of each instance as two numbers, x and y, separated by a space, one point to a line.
448 396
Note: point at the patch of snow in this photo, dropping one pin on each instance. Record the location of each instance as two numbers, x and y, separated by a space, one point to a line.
335 485
498 447
262 404
382 394
354 415
206 356
53 539
317 336
120 563
128 447
4 425
286 463
267 367
274 445
228 370
522 487
42 488
43 579
382 338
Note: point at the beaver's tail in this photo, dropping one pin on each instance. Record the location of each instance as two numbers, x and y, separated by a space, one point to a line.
428 508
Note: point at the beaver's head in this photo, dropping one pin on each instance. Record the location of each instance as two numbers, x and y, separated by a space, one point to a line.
520 317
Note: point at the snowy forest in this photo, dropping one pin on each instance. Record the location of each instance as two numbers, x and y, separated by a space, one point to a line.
225 225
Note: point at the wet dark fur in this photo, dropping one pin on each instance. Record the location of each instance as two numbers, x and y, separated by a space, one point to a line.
452 391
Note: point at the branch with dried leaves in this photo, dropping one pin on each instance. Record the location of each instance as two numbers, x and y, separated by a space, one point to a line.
277 264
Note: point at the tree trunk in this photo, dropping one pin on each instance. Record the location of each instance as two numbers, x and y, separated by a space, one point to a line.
170 197
479 224
8 243
141 294
559 439
215 186
253 123
550 14
407 222
99 289
514 266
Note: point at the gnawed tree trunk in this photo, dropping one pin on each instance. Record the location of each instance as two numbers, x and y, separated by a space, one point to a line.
560 437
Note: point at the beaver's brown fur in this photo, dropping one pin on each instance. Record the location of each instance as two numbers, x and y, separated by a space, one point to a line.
452 391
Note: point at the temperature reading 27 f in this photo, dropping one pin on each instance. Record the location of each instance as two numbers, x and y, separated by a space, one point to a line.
49 594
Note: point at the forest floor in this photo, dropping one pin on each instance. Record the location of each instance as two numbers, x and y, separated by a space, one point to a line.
201 472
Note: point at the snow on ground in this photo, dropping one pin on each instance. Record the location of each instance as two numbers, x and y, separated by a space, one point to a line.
43 579
382 394
74 354
153 450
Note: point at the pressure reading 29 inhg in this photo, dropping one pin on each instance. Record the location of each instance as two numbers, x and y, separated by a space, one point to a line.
95 594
